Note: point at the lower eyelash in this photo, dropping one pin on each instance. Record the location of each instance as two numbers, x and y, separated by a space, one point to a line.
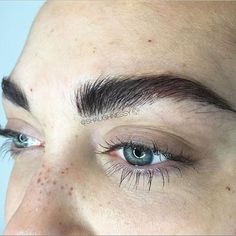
133 175
6 149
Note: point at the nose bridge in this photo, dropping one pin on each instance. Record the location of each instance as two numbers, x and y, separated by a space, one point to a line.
46 206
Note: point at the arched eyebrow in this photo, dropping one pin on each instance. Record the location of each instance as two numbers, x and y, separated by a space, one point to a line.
112 93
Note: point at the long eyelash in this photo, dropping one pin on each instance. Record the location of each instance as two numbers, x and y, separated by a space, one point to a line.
6 148
131 173
113 145
134 175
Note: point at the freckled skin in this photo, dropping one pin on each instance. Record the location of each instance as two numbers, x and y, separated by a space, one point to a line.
228 188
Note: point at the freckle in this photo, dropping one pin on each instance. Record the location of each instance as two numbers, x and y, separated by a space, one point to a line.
40 191
62 172
38 181
109 203
54 182
100 205
93 51
83 197
71 189
48 170
62 187
38 199
49 193
31 90
43 165
40 173
60 223
45 177
48 181
149 40
228 188
69 193
67 169
42 183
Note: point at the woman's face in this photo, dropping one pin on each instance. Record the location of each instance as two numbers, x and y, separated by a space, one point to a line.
116 127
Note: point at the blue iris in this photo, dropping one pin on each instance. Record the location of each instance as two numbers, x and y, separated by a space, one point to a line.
21 141
138 155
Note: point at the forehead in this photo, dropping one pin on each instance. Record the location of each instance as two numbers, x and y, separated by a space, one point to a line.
72 40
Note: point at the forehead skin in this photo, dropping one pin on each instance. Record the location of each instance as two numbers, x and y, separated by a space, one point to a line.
71 42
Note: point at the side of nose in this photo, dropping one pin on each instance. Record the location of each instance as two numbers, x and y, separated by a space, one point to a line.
46 209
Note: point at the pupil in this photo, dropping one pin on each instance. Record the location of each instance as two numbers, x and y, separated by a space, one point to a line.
138 153
22 138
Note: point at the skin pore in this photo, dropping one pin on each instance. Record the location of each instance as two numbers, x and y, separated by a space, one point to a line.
68 184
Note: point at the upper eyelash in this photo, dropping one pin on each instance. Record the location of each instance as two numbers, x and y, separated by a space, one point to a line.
111 146
8 133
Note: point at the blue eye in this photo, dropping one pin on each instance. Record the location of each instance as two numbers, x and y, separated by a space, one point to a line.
25 141
140 156
137 156
16 142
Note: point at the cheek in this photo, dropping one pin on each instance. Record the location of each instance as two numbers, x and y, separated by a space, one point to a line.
22 173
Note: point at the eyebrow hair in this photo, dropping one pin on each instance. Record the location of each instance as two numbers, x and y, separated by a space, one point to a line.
111 93
13 93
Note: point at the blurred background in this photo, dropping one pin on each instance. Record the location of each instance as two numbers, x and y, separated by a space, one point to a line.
16 18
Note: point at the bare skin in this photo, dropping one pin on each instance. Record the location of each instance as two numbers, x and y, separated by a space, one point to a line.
62 187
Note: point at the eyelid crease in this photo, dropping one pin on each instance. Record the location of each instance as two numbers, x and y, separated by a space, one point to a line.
149 132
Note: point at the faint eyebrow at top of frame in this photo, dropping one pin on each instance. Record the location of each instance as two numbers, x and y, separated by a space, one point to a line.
111 93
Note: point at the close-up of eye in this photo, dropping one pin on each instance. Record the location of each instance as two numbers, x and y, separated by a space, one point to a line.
16 142
117 117
134 160
138 155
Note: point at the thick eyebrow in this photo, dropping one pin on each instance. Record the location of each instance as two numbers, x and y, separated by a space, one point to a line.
13 93
111 93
